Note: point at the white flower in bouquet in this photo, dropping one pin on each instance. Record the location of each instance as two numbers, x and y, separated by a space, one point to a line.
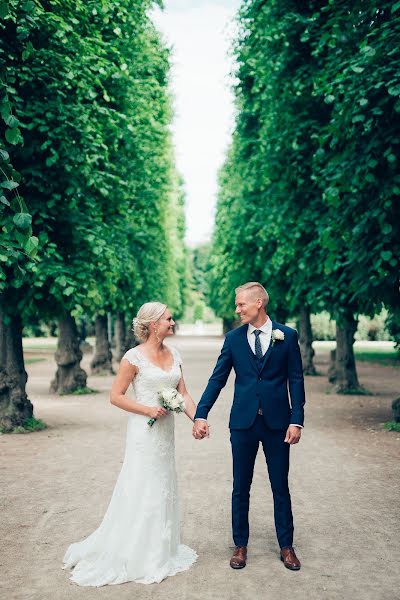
167 395
171 400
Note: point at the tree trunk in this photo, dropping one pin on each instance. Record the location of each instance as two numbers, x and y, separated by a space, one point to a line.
110 330
346 373
120 336
306 340
84 345
332 366
69 375
15 407
130 340
102 361
280 314
228 324
396 410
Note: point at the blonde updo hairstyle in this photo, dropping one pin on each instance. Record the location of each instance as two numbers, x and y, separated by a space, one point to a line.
147 313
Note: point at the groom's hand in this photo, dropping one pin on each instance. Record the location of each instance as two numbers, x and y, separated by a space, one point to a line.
293 434
200 429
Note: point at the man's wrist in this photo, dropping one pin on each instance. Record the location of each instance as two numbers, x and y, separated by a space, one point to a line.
296 425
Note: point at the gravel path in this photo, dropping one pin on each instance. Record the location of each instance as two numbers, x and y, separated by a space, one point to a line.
345 474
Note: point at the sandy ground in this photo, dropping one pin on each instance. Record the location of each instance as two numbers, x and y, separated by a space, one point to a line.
345 474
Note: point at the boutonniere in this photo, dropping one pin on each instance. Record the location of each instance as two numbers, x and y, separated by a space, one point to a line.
277 336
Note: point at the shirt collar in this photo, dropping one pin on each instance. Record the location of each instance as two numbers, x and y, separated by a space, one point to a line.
264 328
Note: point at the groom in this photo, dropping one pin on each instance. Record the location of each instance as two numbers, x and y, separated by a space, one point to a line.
266 358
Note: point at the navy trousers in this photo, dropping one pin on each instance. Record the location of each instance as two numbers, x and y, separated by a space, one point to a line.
245 444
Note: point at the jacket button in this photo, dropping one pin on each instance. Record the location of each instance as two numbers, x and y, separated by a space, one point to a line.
259 379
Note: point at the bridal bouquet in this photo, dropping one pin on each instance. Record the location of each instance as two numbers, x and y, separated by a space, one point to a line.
170 399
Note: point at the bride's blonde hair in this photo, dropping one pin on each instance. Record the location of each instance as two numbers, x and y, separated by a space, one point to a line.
148 312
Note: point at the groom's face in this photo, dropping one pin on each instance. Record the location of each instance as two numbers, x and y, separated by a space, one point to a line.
247 306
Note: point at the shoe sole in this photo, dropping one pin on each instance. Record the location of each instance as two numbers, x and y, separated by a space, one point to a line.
290 568
237 566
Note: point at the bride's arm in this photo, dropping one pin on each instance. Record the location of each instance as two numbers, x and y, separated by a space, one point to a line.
190 407
126 373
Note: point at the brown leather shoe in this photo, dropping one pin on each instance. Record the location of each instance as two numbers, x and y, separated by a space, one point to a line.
289 559
239 557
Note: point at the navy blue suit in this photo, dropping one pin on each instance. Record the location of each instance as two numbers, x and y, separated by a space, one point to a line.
260 384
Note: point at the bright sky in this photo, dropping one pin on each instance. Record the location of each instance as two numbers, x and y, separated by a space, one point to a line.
199 32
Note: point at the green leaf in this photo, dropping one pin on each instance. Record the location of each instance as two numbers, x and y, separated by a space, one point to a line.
51 160
21 237
4 200
396 6
28 6
62 282
27 51
13 136
12 121
386 255
394 90
368 50
4 155
5 109
31 246
22 220
9 184
387 228
357 69
4 9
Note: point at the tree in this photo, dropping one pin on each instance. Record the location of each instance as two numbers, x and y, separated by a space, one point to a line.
355 167
298 207
97 165
17 244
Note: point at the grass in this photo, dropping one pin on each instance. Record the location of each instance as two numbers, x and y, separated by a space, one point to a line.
29 361
392 426
359 391
28 426
385 356
43 346
80 392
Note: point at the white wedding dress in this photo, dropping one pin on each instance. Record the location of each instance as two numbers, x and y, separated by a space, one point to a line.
139 537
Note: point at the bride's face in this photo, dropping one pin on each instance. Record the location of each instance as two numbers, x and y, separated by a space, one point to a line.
165 324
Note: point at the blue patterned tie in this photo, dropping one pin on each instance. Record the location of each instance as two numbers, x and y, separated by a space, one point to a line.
259 353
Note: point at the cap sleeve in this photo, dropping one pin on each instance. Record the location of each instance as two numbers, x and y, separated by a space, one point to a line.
132 356
177 356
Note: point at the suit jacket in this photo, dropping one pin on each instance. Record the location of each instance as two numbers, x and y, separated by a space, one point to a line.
266 384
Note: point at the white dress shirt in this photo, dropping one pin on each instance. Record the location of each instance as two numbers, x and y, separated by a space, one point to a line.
265 336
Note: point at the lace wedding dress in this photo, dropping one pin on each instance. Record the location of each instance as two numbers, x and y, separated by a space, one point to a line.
138 539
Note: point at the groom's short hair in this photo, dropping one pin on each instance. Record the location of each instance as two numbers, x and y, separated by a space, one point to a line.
257 290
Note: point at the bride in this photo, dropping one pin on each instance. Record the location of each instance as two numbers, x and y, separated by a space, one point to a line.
139 538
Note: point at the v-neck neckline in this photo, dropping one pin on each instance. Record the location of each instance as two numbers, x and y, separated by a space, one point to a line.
157 366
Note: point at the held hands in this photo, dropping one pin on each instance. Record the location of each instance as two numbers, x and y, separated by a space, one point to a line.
156 412
293 435
201 429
